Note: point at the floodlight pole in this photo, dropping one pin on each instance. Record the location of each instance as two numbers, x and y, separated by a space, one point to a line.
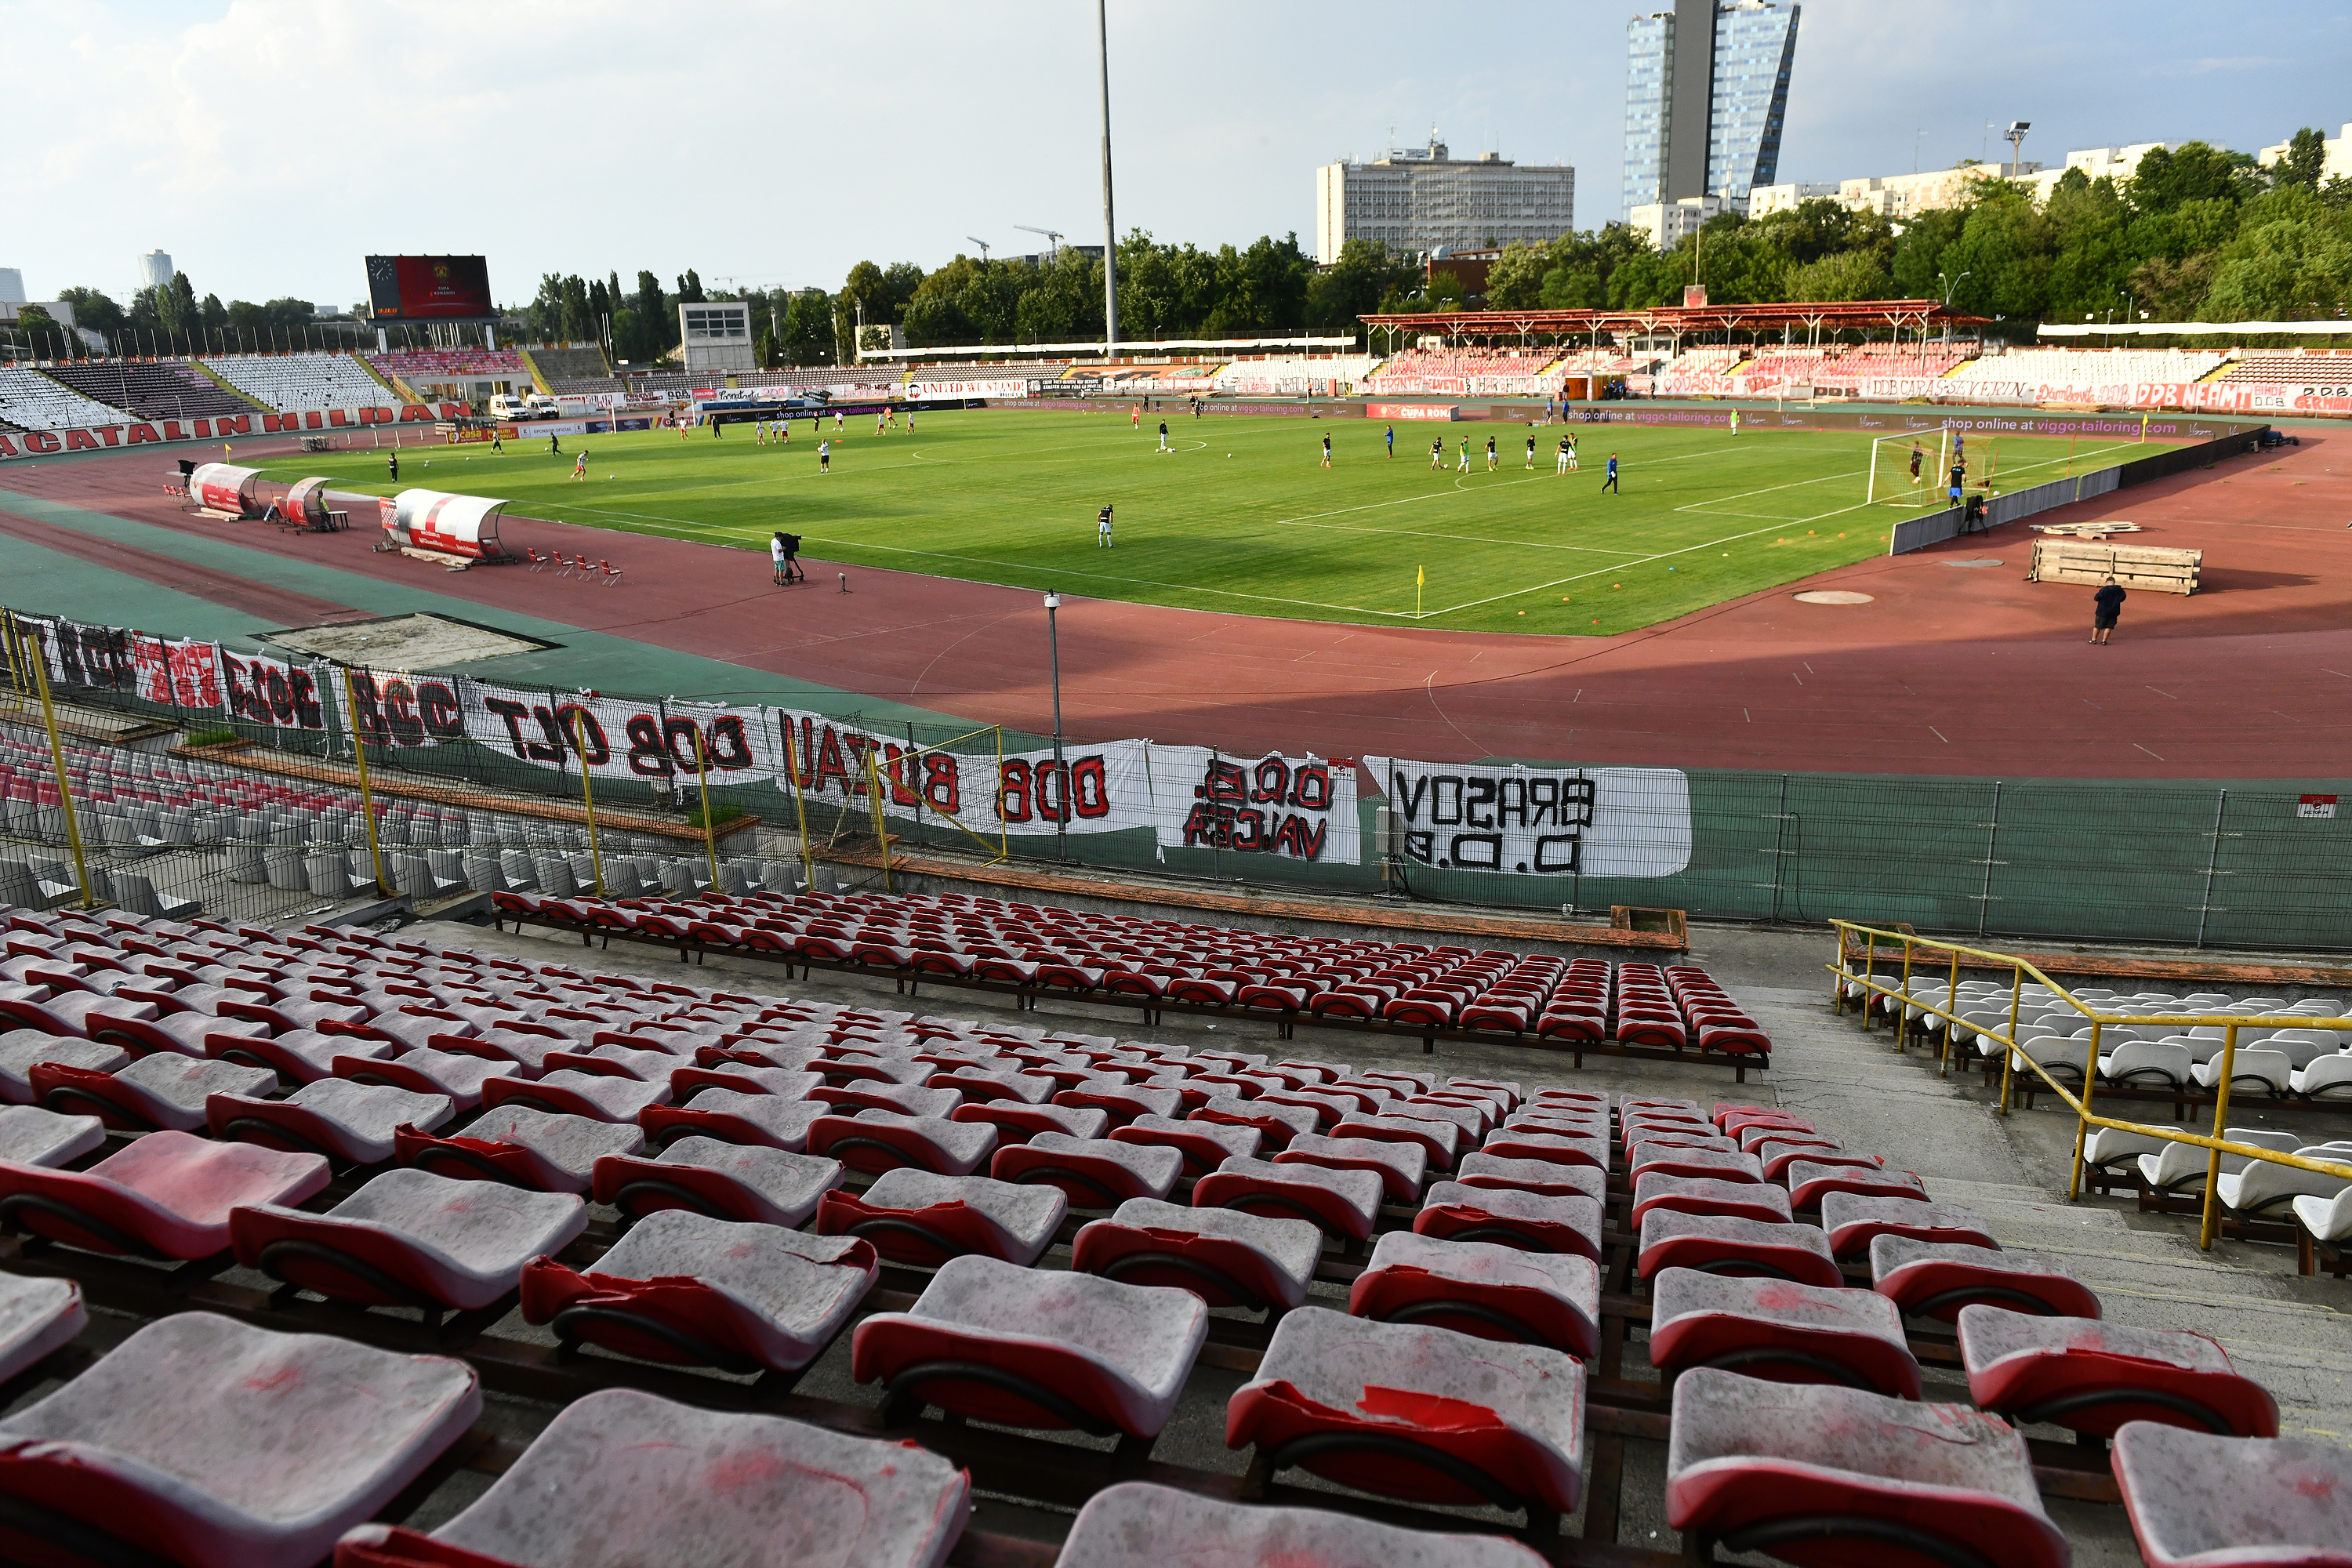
1061 773
1110 228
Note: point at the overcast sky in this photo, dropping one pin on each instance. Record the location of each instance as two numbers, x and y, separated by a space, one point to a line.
269 144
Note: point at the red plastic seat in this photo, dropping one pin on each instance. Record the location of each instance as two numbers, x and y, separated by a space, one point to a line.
753 1184
1852 1223
148 1456
1227 1258
1418 1412
1455 1212
1402 1166
2197 1500
1135 1525
1344 1204
1092 1172
1936 1279
623 1477
410 1239
1836 1475
1702 1195
878 1141
1485 1291
1205 1145
1781 1332
1538 1176
1716 1244
166 1195
1810 1183
922 1219
996 1342
349 1122
520 1147
691 1291
2091 1377
154 1092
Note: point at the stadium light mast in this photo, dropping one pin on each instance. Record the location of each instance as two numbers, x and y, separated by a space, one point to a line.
1110 228
2015 137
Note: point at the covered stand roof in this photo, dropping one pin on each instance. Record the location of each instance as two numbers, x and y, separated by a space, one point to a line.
1524 324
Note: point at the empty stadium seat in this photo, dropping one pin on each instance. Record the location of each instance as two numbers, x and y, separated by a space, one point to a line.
992 1341
2092 1377
37 1317
1418 1412
1937 1279
620 1478
1781 1332
154 1450
688 1288
1135 1525
923 1219
166 1195
2196 1498
1838 1476
747 1182
1482 1291
1227 1258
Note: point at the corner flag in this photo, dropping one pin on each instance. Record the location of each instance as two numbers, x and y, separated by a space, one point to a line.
1420 576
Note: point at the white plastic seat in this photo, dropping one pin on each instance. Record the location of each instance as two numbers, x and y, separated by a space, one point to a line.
20 1049
748 1181
620 1478
2259 1068
2263 1185
922 1218
156 1446
2326 1219
2147 1062
542 1150
1486 1291
2180 1167
344 1120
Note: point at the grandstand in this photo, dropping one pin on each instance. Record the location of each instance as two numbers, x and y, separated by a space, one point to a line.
300 381
550 365
2267 367
1872 360
159 389
678 383
408 364
31 401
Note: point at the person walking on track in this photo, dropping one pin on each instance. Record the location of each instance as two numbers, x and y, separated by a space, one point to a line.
2106 605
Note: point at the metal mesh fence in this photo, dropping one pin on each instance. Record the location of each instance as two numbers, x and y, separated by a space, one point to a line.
242 814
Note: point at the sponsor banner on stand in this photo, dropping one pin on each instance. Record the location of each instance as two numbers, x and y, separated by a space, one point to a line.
936 391
1440 411
218 427
1536 821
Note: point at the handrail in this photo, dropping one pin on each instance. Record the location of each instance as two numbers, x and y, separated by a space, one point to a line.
2085 1118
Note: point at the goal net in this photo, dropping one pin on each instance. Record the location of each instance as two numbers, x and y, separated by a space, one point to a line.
1908 469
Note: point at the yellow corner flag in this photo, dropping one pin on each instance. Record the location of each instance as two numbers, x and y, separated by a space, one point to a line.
1420 576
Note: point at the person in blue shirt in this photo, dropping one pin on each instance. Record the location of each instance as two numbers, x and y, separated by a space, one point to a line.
1391 437
1611 482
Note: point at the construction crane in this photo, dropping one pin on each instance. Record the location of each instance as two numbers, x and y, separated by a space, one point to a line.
1053 238
983 244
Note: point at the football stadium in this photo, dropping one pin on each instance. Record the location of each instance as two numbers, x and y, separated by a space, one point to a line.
1638 878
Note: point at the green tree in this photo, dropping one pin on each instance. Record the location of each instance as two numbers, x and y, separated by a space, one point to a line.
1919 254
94 309
2195 172
1844 275
1354 285
2306 159
689 287
1515 281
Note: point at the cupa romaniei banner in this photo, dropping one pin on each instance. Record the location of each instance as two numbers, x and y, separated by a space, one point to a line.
1538 821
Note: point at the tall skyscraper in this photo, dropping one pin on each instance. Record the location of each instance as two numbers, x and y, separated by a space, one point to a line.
155 270
1706 93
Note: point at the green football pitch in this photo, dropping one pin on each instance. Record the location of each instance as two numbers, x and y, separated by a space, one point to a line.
1241 516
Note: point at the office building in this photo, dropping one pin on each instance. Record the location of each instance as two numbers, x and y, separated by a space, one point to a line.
155 270
1707 99
2338 165
1416 200
12 286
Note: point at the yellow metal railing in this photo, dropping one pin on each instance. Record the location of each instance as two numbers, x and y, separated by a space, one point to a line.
1913 947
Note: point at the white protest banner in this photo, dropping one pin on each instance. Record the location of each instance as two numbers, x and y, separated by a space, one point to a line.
1300 808
1537 821
1094 788
622 738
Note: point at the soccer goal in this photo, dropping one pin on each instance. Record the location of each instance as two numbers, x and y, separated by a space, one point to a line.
1898 479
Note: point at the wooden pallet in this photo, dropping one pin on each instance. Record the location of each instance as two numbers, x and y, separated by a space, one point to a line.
2145 566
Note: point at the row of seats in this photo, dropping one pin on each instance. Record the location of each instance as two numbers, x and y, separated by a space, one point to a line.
2330 370
2279 1060
1480 361
1405 983
1453 1377
2092 367
1854 367
407 364
153 389
30 400
301 381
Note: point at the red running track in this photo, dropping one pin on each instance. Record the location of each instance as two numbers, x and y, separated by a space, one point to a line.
1949 668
